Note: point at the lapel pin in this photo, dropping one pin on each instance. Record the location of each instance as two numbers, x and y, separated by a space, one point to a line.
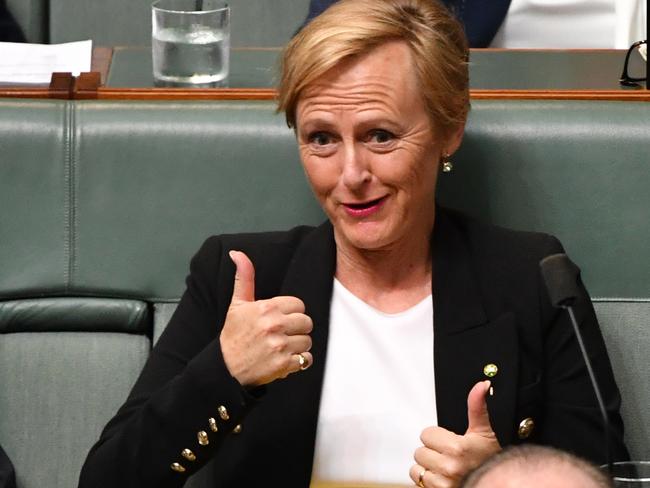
490 370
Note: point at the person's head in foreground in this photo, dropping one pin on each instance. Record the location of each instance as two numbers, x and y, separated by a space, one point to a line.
534 466
377 92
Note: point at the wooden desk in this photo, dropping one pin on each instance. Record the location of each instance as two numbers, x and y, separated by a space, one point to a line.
124 73
589 74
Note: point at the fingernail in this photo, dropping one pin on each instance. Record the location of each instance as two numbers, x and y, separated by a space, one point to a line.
231 254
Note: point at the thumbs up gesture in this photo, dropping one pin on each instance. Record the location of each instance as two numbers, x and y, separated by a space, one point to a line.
263 340
446 457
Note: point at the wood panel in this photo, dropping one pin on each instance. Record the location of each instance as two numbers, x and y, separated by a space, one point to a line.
92 86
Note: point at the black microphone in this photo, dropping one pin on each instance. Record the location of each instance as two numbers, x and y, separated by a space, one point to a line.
561 277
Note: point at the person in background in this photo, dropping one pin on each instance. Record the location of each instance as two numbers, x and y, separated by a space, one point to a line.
545 25
584 24
536 466
9 29
480 19
396 330
7 474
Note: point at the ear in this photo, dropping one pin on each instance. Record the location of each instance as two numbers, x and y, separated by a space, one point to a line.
455 138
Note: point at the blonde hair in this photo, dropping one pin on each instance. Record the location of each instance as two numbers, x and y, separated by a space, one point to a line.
354 27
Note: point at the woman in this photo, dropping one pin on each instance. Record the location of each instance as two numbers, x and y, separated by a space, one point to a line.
310 354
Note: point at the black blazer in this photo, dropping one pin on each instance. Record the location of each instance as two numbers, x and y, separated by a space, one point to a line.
489 307
481 19
7 474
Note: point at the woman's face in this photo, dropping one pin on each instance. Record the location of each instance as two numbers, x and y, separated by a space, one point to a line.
370 151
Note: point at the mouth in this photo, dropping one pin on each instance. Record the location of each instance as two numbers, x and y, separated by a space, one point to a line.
364 209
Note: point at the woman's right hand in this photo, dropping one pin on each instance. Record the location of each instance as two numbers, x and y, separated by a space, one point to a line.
263 340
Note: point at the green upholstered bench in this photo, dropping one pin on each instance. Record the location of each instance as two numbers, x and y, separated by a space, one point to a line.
103 204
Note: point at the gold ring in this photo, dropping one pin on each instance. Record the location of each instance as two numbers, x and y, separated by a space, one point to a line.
302 362
421 478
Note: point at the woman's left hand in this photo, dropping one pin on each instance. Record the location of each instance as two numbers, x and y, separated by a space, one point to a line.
446 457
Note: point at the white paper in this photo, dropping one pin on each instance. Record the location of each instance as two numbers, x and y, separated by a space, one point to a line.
35 63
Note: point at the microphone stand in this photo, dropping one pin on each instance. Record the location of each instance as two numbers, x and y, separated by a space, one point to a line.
561 277
594 383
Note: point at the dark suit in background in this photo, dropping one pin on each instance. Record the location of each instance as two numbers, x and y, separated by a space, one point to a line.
7 475
481 18
9 29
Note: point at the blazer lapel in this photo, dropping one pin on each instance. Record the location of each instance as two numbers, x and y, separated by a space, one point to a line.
465 339
288 416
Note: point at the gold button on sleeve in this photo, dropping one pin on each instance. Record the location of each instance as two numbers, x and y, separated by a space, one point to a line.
213 424
223 412
202 437
526 428
237 429
189 455
177 467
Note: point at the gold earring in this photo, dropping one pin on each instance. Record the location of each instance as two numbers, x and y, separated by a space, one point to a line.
447 165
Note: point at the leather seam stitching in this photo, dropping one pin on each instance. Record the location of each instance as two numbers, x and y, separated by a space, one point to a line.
73 192
67 196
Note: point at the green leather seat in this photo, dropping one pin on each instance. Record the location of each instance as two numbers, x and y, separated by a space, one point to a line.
103 204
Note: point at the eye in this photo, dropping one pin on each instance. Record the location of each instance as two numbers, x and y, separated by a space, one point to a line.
380 136
320 138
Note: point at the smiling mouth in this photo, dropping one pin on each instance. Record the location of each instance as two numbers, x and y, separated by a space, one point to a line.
364 209
365 205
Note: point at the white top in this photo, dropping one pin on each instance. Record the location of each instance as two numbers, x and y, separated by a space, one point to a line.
631 22
561 24
378 391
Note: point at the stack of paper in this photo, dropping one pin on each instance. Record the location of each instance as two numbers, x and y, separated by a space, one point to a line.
34 63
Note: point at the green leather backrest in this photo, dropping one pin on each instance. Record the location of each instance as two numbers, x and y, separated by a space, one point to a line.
114 198
262 23
102 204
153 180
34 174
579 170
133 189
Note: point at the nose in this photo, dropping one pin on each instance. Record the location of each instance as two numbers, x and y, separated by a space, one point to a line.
355 171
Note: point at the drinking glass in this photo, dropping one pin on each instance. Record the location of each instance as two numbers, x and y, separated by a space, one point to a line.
630 474
190 43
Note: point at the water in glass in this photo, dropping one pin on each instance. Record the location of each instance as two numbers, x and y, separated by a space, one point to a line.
190 57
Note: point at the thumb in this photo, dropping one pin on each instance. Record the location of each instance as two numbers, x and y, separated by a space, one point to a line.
477 412
244 285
